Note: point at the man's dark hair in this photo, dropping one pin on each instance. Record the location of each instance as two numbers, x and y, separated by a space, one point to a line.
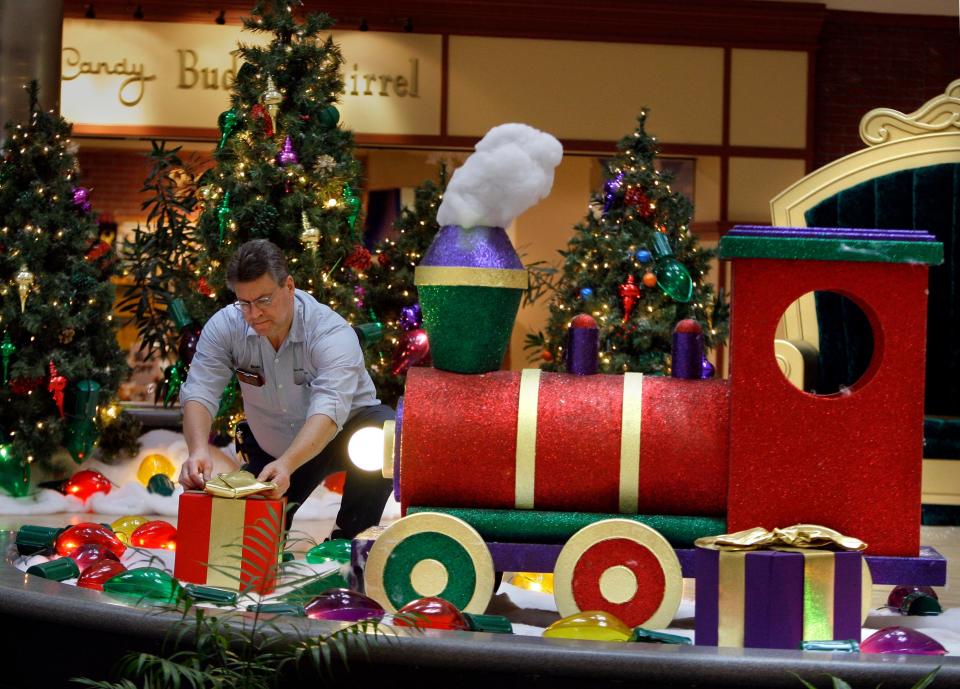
254 259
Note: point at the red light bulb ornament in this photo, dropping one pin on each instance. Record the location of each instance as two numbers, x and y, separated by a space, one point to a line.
672 276
89 554
155 534
85 483
430 613
100 571
72 538
629 295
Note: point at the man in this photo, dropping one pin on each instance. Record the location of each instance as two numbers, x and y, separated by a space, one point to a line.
304 385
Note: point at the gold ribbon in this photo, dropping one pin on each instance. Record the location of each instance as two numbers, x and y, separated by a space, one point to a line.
225 549
526 457
237 484
796 536
630 442
732 579
471 277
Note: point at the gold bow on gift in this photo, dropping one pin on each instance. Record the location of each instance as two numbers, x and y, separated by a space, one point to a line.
237 484
796 536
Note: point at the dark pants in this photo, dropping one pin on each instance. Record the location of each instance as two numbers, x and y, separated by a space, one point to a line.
365 493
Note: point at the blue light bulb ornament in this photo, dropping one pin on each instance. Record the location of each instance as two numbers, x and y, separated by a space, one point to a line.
672 276
586 293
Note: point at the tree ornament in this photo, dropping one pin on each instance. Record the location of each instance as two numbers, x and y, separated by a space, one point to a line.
644 256
310 235
287 156
629 294
413 349
329 116
706 369
353 203
649 279
208 192
272 98
610 190
227 122
259 114
56 386
7 350
359 259
672 276
203 287
636 197
325 165
174 377
411 317
66 335
24 386
81 432
24 280
586 293
223 216
383 260
14 472
81 199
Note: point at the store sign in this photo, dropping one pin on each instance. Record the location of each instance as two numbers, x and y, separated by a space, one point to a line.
159 75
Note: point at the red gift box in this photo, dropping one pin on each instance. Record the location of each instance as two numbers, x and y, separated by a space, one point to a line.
231 543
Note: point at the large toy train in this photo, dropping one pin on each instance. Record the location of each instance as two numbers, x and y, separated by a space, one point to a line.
606 481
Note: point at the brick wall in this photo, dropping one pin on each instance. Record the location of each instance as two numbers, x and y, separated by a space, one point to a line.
870 60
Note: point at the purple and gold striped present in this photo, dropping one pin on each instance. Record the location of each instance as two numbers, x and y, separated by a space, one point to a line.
776 598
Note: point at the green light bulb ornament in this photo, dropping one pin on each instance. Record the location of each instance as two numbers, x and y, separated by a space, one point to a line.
146 584
672 276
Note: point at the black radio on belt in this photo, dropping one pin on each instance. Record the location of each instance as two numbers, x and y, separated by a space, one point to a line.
249 378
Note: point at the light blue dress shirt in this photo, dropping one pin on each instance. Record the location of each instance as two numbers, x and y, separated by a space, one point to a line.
319 369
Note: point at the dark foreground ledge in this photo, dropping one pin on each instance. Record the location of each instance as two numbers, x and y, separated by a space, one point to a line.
52 632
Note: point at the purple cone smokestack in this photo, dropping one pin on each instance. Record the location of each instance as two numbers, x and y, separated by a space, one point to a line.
583 346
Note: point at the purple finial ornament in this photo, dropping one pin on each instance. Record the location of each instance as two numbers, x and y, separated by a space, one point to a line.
583 346
411 317
687 350
610 189
707 370
81 199
287 156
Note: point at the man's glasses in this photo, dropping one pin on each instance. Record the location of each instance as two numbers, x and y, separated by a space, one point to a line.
261 303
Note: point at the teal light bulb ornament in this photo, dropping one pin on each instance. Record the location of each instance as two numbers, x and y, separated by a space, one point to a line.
672 276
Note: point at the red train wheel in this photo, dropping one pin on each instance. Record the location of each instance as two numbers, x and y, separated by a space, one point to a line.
621 567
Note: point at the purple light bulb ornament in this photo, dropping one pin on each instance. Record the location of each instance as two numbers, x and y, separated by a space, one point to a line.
287 156
583 346
687 350
610 189
411 317
343 605
81 199
902 640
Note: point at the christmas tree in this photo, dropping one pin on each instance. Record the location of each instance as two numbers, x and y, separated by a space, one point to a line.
57 334
634 265
391 295
284 171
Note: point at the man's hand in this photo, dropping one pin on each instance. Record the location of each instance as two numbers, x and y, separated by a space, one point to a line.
277 472
195 472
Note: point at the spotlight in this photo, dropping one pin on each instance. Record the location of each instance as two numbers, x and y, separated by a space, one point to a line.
408 25
363 25
221 18
138 13
365 448
90 13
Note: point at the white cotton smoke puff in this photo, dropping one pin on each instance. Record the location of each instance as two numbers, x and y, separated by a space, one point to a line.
511 170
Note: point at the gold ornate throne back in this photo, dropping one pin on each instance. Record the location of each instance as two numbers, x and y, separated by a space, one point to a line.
910 173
